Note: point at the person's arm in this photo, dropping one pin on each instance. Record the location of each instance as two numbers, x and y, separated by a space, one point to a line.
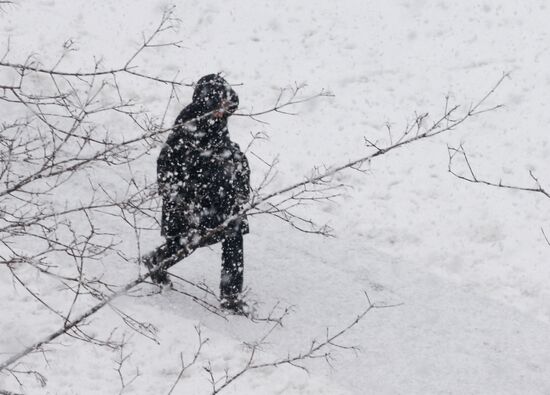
165 171
242 179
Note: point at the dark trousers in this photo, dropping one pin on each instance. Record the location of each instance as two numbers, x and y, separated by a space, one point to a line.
231 284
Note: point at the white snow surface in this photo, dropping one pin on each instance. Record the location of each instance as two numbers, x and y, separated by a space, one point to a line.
466 265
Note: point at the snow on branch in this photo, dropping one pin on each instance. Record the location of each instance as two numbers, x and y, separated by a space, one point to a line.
57 137
259 203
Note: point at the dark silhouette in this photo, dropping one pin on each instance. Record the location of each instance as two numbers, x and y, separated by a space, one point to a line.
204 178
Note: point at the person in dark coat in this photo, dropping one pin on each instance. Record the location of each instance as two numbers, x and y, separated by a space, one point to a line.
204 178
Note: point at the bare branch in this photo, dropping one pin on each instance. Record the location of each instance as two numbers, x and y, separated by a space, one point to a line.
472 177
168 22
295 192
318 349
184 367
286 98
122 358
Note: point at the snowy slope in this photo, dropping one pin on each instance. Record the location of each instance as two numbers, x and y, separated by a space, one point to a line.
468 265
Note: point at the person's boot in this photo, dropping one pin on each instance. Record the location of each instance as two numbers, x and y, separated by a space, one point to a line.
235 305
159 277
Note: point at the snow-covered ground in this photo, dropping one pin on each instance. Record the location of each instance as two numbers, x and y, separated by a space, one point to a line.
466 264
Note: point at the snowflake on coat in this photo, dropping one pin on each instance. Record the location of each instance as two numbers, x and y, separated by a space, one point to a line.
203 176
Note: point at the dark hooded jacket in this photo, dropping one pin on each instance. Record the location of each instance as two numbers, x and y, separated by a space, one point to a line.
203 176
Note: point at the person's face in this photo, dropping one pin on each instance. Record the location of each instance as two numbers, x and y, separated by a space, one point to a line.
222 111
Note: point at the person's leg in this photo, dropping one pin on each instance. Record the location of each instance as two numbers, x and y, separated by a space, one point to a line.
231 284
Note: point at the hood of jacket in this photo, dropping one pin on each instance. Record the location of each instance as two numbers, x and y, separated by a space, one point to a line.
212 93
